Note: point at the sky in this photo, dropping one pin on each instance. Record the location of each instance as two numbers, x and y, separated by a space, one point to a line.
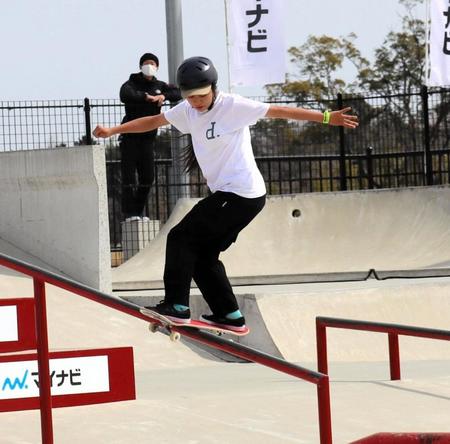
71 49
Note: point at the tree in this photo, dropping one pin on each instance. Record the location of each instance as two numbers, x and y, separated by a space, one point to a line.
399 65
318 61
392 119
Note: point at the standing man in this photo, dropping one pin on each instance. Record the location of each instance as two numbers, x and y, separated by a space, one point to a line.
143 94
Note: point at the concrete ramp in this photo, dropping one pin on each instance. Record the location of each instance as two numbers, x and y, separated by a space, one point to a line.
15 252
289 318
318 236
282 317
78 323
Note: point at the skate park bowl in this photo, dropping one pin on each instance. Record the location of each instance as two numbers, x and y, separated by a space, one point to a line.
321 237
310 255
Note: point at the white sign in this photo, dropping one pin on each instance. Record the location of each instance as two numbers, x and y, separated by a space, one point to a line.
256 42
69 376
439 44
8 323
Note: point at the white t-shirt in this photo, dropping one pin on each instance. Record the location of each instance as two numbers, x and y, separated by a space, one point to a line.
221 140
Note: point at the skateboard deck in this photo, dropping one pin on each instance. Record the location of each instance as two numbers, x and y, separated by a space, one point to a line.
163 322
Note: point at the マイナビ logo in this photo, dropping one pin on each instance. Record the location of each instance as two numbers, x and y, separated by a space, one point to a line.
19 383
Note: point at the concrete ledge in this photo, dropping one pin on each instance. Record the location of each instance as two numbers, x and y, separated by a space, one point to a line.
316 278
54 207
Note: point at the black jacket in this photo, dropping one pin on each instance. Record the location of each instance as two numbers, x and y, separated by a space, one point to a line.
132 94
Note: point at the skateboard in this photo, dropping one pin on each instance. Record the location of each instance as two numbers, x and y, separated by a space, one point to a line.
165 323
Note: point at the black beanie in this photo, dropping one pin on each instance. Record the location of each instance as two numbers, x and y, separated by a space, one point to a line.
148 56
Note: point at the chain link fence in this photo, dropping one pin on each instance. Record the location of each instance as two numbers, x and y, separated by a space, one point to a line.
403 140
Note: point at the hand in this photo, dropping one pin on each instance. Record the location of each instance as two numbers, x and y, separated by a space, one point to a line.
101 131
340 118
159 98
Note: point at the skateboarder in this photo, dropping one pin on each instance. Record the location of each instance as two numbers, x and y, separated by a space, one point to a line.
219 126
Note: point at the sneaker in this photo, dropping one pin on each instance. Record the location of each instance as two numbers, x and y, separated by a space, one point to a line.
229 324
167 309
145 219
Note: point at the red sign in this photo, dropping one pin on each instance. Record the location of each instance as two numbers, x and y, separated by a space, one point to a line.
78 377
17 325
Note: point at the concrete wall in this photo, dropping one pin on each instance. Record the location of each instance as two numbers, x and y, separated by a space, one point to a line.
53 206
310 235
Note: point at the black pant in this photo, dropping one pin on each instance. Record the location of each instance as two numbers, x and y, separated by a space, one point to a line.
194 245
138 172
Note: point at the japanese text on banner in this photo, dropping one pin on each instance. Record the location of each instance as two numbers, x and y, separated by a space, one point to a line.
439 44
257 49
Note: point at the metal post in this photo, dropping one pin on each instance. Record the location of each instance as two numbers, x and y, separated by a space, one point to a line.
342 167
43 362
323 396
321 344
174 28
230 89
87 121
428 169
369 152
394 357
174 24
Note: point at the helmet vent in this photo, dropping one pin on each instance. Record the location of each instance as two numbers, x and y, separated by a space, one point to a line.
195 72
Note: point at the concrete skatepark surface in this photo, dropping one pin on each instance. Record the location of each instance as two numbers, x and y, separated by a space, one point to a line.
282 317
11 250
345 232
185 395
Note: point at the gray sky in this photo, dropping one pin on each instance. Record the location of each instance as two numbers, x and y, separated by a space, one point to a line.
71 49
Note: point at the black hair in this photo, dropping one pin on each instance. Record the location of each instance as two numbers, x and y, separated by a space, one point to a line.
188 158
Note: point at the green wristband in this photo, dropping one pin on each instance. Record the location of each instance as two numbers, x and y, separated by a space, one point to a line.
326 117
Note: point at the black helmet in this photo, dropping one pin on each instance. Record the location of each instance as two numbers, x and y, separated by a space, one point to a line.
196 73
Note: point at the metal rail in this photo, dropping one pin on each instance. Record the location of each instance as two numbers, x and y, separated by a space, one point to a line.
41 277
392 330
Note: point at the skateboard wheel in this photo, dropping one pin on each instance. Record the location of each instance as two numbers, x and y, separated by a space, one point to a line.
174 336
153 327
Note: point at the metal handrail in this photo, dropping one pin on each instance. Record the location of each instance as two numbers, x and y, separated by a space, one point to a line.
41 276
392 330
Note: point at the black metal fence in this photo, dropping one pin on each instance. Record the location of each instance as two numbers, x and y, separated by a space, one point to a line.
403 140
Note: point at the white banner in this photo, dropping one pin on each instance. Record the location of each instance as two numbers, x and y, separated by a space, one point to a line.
257 50
439 44
69 376
8 323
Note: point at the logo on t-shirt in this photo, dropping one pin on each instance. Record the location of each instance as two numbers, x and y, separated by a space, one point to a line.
210 132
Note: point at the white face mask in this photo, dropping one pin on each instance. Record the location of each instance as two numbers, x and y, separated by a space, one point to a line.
149 70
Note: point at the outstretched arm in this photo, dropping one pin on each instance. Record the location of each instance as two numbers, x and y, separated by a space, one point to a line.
141 125
337 118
